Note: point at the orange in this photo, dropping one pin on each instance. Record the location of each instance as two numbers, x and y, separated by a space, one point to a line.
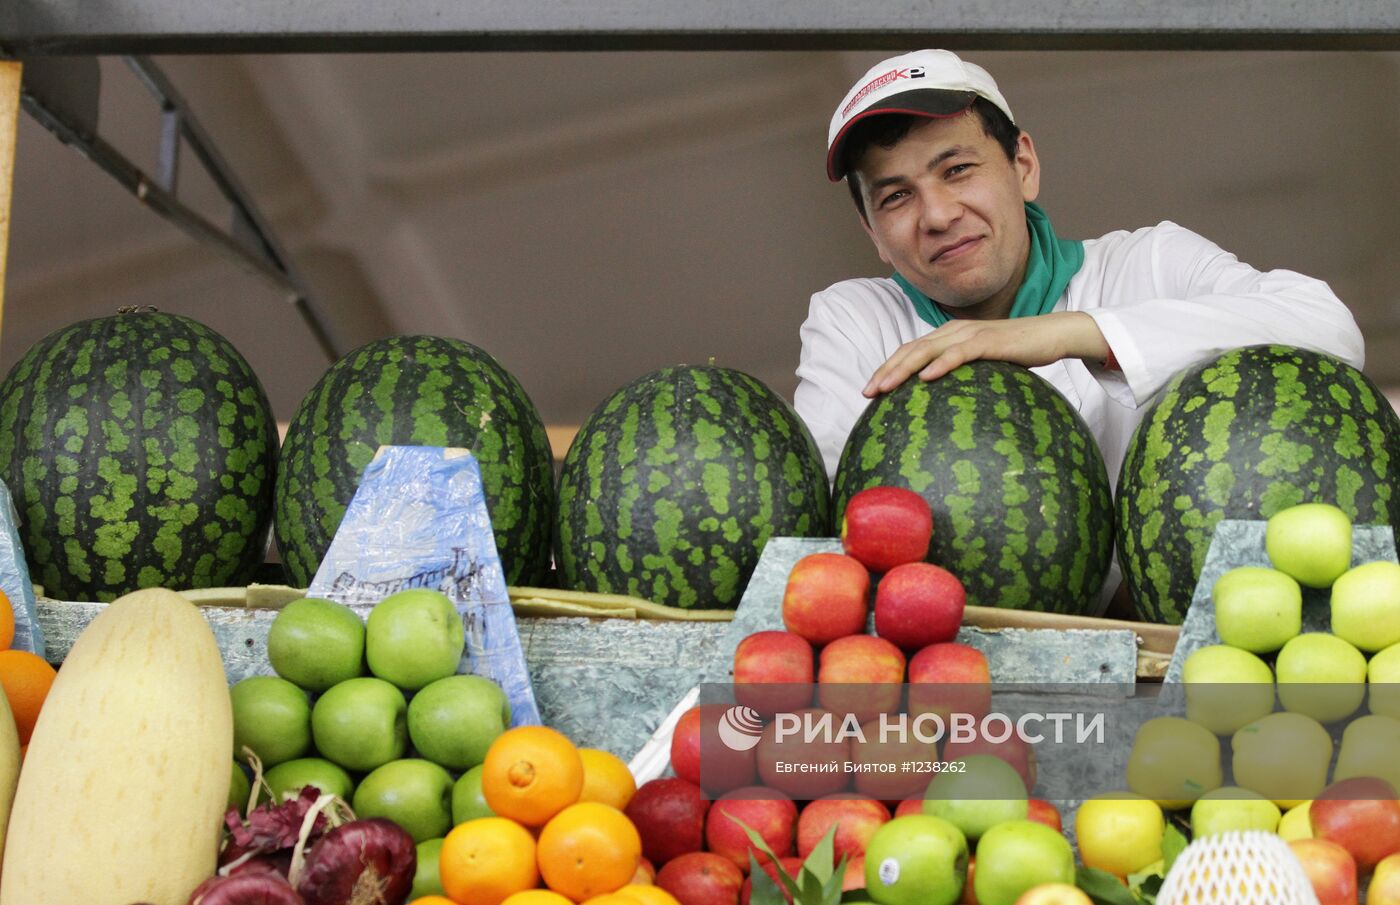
7 622
530 774
26 678
537 897
606 779
589 849
432 900
484 861
613 898
648 895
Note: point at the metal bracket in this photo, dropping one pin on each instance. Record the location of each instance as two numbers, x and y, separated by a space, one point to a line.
62 94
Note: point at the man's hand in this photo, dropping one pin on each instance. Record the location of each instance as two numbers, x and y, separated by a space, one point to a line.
1028 341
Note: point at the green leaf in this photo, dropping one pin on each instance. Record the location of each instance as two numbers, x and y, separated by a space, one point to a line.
764 891
831 890
811 888
819 861
1174 842
1103 887
757 842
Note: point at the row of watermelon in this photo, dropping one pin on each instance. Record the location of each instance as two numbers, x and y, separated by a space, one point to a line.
141 450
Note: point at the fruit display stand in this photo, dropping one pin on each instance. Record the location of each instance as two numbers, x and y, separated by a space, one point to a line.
1240 542
609 680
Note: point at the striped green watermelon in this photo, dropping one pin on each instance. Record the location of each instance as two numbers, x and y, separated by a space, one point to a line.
140 450
1022 510
416 391
676 481
1249 433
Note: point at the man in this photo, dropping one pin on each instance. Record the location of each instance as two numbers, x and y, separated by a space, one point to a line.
944 183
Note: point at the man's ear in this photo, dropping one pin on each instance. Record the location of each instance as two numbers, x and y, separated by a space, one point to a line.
870 234
1027 165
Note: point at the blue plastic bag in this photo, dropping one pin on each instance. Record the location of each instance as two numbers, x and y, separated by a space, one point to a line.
14 579
419 520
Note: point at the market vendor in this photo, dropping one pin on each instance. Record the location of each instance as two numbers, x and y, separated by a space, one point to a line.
945 183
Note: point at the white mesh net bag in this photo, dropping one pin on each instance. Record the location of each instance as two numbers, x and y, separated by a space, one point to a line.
1248 868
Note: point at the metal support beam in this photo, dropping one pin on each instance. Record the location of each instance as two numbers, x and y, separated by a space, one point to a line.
32 27
250 240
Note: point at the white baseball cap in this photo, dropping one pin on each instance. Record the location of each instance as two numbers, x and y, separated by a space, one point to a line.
932 83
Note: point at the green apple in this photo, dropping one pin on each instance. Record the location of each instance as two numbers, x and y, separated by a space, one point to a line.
1016 856
1283 757
1257 609
361 723
414 637
426 879
1369 747
238 789
1366 606
987 791
1295 823
1230 809
917 859
272 717
1321 676
316 643
414 793
1119 832
295 775
1174 761
454 720
1227 688
468 803
1383 680
1311 542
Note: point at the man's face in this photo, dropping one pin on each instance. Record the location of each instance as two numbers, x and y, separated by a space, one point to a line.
946 209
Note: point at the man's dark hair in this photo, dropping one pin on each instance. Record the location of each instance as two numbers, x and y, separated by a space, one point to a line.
890 129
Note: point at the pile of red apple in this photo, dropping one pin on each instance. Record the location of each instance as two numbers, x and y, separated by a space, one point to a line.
824 663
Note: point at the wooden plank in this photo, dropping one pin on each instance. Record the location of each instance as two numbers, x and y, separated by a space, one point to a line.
9 134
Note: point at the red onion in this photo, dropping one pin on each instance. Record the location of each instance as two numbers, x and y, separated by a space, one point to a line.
363 862
251 887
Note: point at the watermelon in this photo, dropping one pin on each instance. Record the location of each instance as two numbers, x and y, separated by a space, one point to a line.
140 450
676 481
415 391
1022 510
1242 436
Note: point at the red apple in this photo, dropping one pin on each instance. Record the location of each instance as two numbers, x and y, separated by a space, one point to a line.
909 806
1385 882
860 675
948 678
645 875
805 754
854 876
1330 868
1362 816
855 817
1015 751
701 878
1042 811
1054 894
879 761
670 816
773 672
826 597
884 527
918 604
699 754
791 864
767 812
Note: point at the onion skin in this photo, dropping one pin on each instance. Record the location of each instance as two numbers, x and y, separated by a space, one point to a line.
253 887
363 862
